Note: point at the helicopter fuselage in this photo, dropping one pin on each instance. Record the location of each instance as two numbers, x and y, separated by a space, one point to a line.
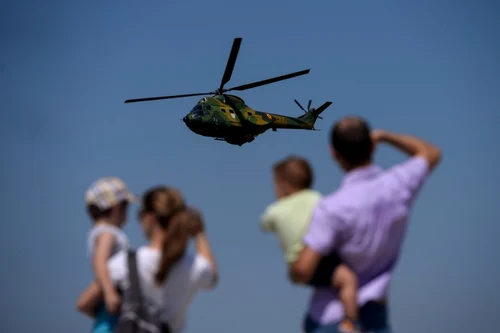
228 118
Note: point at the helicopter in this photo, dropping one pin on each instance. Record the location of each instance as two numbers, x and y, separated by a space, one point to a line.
226 117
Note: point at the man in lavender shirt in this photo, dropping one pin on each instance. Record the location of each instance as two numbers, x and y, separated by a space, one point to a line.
364 221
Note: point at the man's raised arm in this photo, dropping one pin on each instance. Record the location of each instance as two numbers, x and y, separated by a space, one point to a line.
405 179
411 145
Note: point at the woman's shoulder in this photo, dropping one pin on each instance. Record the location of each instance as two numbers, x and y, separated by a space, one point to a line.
194 262
190 262
143 255
200 270
193 267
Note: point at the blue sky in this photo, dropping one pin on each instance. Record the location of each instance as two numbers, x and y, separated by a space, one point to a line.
423 67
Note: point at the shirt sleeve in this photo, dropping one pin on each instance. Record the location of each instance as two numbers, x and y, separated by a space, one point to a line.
324 230
117 267
408 177
203 273
266 220
94 235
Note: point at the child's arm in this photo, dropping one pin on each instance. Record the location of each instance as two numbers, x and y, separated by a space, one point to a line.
346 282
103 251
89 299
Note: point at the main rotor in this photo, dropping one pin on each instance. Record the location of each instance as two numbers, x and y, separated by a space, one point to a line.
225 79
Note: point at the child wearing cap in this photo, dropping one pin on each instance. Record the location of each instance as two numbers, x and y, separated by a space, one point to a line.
289 218
107 202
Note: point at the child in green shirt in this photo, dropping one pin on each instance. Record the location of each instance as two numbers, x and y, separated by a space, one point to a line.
289 218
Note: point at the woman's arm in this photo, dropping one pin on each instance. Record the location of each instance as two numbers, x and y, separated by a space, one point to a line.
202 245
89 299
203 248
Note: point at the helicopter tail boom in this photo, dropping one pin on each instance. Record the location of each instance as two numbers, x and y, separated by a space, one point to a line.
312 114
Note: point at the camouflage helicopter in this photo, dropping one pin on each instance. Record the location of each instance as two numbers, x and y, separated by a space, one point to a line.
227 118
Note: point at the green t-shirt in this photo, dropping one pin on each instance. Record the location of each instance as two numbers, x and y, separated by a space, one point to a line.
289 218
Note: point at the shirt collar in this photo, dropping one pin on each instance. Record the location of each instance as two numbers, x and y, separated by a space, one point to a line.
360 174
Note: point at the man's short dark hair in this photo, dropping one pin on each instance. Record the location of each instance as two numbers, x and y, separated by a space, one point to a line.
351 138
296 171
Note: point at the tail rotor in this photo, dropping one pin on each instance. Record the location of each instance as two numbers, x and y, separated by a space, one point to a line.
312 114
309 109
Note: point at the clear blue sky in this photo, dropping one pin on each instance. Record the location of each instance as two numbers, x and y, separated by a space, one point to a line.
430 68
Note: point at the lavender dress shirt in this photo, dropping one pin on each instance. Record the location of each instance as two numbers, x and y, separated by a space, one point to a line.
365 221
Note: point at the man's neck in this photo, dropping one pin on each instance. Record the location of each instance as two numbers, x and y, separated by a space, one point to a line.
359 166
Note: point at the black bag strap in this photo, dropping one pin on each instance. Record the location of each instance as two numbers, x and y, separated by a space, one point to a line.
135 288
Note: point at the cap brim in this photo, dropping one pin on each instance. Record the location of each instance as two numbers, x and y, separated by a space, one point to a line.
131 198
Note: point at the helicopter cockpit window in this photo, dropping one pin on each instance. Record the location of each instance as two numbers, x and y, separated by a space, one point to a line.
206 109
197 111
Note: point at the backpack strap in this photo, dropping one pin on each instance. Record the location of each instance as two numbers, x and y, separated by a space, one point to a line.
135 288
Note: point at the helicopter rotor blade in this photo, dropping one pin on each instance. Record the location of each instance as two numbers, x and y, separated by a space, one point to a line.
300 106
163 97
309 105
268 81
231 61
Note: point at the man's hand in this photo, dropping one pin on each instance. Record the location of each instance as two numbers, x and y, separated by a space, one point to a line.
377 136
112 301
302 270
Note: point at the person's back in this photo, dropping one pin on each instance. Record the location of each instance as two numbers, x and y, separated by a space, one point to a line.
104 239
188 276
289 217
365 221
373 206
121 242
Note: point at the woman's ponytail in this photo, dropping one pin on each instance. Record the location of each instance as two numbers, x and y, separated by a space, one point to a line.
168 207
175 241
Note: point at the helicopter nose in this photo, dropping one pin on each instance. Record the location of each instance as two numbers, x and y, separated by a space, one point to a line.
185 119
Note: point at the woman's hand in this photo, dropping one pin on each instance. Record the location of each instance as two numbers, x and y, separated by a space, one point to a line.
196 220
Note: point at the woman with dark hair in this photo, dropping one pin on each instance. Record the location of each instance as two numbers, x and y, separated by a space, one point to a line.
169 276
